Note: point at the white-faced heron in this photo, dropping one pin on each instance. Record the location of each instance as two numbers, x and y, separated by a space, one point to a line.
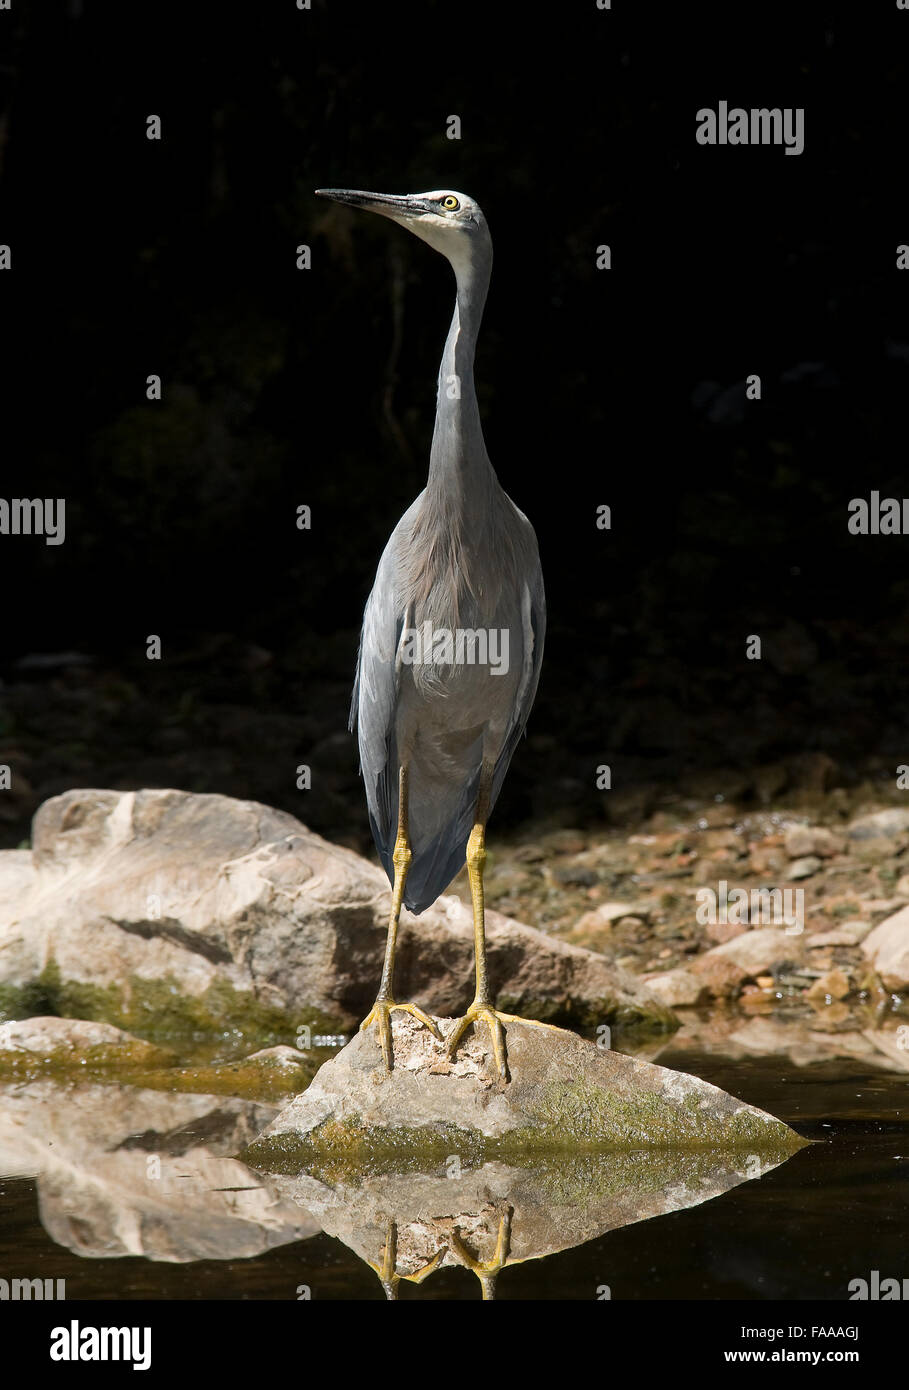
452 634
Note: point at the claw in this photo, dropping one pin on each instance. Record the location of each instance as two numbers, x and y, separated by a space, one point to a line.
486 1270
387 1270
494 1019
380 1014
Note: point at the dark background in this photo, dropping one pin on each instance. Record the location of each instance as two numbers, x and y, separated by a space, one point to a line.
283 387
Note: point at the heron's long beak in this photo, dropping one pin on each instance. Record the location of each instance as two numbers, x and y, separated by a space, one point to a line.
387 204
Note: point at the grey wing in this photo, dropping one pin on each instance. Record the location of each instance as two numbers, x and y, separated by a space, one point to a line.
374 705
533 621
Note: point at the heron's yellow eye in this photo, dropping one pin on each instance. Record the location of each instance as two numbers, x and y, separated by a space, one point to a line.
450 203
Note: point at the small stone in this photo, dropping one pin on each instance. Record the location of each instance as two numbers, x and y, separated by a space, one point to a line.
851 933
677 988
803 868
888 823
281 1056
803 840
604 915
766 859
835 985
765 981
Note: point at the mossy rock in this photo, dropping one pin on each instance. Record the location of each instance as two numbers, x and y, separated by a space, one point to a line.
563 1094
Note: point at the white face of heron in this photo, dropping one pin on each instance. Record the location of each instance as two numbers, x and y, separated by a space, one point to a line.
450 227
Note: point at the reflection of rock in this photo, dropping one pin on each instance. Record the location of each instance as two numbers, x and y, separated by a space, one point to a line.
450 1217
122 1171
800 1041
564 1092
161 909
887 947
75 1049
68 1043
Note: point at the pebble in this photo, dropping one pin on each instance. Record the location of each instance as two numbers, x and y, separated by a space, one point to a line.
803 868
834 985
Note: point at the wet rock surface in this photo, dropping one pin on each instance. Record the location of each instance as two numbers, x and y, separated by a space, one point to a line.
563 1092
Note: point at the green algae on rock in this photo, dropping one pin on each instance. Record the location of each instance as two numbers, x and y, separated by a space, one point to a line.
65 1048
161 1009
564 1093
79 1050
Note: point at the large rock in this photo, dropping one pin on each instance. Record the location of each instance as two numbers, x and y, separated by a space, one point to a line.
161 910
563 1093
887 947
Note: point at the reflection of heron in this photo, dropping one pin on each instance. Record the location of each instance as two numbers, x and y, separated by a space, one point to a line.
459 580
485 1270
387 1271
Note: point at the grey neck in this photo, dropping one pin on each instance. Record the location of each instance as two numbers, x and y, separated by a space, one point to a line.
458 459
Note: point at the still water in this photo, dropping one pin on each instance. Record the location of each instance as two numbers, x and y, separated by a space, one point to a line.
103 1172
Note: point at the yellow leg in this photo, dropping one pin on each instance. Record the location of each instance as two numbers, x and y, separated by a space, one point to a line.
481 1010
387 1270
382 1009
486 1270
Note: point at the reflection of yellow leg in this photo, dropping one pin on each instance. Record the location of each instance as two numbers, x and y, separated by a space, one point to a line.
382 1009
481 1010
486 1270
386 1271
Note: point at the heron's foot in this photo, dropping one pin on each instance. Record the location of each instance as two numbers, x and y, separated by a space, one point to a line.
380 1015
481 1012
388 1269
486 1270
